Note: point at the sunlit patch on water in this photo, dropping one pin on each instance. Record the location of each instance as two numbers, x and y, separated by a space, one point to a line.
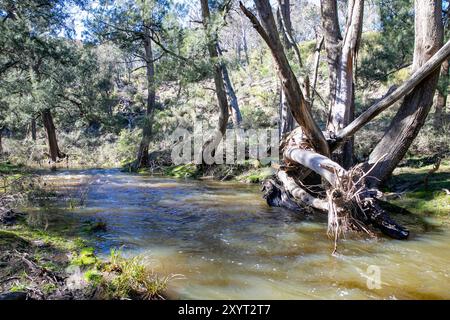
229 244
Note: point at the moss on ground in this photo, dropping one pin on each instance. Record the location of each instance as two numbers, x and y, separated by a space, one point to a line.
419 198
31 258
189 170
256 175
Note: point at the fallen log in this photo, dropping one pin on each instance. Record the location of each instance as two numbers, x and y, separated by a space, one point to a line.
350 205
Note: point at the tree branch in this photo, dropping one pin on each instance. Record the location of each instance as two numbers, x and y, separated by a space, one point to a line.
419 76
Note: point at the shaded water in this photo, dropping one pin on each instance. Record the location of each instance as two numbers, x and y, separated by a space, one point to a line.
229 244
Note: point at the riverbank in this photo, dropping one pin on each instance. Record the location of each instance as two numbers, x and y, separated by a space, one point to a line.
40 265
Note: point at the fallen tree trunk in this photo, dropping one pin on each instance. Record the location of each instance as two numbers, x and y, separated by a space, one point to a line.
350 205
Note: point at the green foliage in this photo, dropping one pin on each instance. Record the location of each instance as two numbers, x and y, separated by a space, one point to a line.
425 202
93 276
256 175
127 145
392 48
6 167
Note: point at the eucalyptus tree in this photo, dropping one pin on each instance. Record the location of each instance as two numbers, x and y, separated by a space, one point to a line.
215 16
416 105
345 195
136 26
212 44
287 121
342 52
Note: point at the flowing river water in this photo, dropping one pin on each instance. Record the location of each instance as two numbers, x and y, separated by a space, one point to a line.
228 244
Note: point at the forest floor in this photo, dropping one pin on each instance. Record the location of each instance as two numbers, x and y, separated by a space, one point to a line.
37 264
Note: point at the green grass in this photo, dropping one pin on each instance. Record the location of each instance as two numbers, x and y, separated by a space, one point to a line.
430 200
128 278
7 167
11 173
85 257
56 241
9 240
118 277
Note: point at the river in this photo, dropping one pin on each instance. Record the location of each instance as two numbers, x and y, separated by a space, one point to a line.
228 244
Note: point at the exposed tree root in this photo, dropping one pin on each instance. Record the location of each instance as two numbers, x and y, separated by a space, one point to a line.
343 195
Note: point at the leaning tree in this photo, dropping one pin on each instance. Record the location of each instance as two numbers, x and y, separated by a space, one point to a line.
349 196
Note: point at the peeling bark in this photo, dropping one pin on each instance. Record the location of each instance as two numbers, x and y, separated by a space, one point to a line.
342 55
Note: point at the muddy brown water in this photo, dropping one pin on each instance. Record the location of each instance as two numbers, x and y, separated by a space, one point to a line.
228 244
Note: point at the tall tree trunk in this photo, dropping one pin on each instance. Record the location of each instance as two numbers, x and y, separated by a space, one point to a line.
285 23
342 62
298 105
287 122
211 36
235 112
245 45
1 144
319 44
415 107
333 38
142 159
33 128
440 114
53 148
